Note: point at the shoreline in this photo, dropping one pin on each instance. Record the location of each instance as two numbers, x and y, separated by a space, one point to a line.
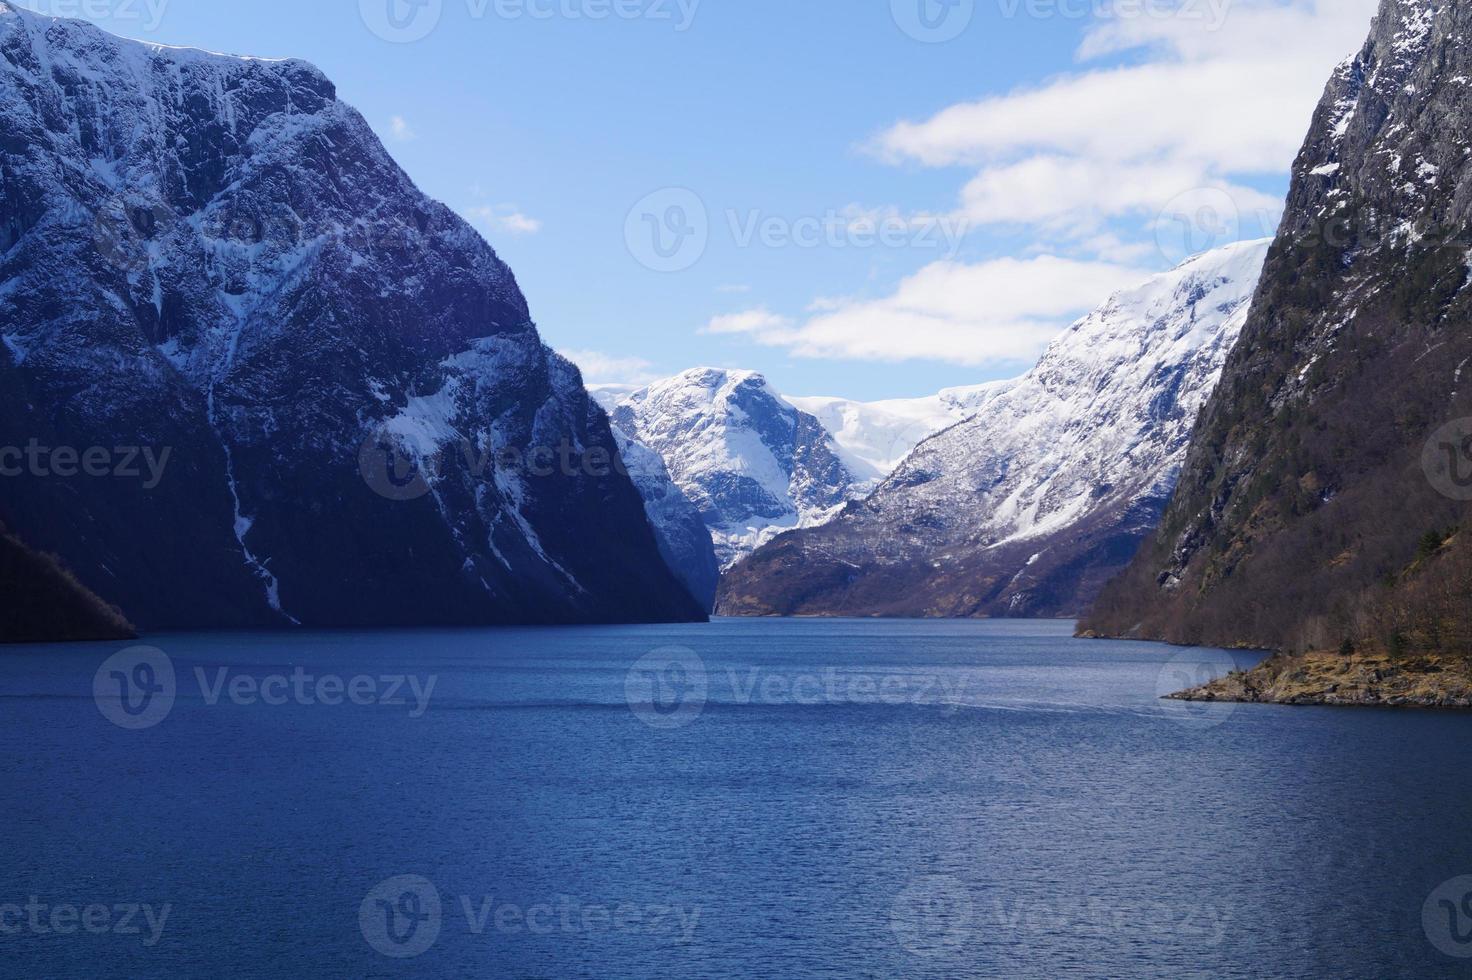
1352 680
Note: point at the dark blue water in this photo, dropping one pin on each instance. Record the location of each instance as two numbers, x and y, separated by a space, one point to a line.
794 799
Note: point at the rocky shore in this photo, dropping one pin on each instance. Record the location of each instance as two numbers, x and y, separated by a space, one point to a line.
1423 681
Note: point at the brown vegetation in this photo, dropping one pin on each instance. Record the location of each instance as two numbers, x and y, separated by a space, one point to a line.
41 602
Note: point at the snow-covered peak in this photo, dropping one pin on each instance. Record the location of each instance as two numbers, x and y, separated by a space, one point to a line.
1049 484
752 463
1149 317
63 33
1108 407
875 437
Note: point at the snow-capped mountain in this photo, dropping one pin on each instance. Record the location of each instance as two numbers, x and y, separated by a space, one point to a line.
1338 441
214 257
1028 507
752 464
875 437
731 448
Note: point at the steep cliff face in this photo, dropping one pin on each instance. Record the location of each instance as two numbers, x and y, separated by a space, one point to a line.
214 258
1331 449
684 540
1029 506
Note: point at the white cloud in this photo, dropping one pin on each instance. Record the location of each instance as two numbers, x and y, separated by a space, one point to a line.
990 313
760 322
601 369
1198 108
400 129
1111 169
505 218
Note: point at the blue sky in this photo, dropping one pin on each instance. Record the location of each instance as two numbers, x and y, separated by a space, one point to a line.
1049 152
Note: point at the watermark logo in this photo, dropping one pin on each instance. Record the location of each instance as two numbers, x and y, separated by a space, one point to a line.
667 689
135 689
38 918
1197 221
401 21
671 229
148 14
906 440
933 21
142 463
394 471
401 918
933 916
668 231
1190 670
936 916
670 687
138 687
1447 460
1447 917
398 471
1211 15
405 917
407 21
126 232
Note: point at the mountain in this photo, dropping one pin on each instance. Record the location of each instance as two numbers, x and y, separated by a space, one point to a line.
1030 506
752 464
211 262
726 448
45 604
1329 472
684 540
873 438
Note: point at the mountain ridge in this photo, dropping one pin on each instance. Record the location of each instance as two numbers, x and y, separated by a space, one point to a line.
1028 506
1316 471
253 283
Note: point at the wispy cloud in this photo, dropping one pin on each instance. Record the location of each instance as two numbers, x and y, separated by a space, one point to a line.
1093 167
400 129
599 368
995 313
504 218
1195 108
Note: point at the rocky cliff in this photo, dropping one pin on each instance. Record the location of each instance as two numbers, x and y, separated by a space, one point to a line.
212 262
1337 446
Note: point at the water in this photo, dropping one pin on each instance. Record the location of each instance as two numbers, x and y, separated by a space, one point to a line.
842 799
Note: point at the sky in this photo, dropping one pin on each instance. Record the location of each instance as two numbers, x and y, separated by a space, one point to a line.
866 198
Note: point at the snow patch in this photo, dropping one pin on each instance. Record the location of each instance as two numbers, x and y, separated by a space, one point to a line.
17 352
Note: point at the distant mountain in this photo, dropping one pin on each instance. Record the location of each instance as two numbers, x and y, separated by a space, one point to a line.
44 604
752 464
1031 505
873 438
1329 476
214 257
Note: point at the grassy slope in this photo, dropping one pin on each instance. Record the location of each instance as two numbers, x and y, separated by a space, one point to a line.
40 601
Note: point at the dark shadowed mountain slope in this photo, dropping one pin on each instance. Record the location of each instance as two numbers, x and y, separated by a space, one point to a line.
214 258
40 602
1332 453
1027 508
